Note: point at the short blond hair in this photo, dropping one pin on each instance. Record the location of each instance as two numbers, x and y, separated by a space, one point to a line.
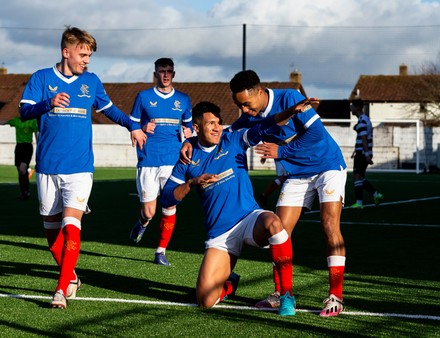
76 36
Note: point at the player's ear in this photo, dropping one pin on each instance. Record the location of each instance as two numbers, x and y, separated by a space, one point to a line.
196 128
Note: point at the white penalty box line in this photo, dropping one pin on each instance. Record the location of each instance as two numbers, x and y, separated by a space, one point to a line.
222 306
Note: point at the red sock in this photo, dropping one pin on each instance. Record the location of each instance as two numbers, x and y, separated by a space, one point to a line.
227 290
276 278
336 279
166 229
282 258
70 256
55 239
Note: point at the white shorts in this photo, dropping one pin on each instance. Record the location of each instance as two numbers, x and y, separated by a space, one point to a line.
280 169
301 192
151 180
56 192
232 240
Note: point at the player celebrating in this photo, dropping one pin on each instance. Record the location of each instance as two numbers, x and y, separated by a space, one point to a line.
61 98
315 165
218 171
163 113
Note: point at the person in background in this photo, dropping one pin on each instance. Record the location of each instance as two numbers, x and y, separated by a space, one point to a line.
362 155
165 115
61 99
24 131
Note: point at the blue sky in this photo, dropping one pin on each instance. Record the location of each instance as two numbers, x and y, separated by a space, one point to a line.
331 43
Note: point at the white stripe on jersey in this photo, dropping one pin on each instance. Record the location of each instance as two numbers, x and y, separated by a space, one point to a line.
310 122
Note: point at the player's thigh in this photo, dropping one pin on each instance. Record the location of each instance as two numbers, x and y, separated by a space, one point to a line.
214 271
297 192
49 194
330 186
148 183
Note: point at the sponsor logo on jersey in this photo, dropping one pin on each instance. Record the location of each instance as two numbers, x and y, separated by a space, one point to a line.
222 176
195 164
85 91
77 111
153 104
221 153
166 121
177 106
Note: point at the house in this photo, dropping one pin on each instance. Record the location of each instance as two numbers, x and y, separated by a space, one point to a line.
400 96
405 110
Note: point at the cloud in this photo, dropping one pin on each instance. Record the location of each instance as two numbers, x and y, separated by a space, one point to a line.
330 43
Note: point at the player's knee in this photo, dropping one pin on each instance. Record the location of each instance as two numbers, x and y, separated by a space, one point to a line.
274 225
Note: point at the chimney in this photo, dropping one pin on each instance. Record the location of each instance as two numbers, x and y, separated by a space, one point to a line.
296 77
403 69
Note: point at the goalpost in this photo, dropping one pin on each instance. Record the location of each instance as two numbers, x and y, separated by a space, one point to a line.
398 145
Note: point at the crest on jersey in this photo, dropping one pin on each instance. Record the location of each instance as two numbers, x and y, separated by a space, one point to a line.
177 106
221 153
84 91
153 104
53 89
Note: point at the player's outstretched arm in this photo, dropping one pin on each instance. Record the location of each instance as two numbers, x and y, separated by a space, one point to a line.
282 117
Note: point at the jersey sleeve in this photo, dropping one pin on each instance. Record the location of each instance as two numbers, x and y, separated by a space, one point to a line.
187 116
32 104
176 178
136 111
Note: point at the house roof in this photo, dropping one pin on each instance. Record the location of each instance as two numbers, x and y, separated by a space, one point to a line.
124 94
397 88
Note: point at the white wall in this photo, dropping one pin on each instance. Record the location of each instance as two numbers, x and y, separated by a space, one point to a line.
392 145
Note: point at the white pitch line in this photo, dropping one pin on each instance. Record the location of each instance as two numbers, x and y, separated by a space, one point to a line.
379 223
234 307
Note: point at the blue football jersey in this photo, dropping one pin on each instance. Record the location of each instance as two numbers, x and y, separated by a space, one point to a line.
307 148
169 111
278 101
228 200
65 134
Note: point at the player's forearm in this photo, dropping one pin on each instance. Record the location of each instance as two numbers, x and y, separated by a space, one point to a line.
182 190
31 111
118 116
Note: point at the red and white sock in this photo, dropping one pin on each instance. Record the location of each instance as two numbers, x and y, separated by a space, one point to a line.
281 252
55 239
336 268
166 227
72 242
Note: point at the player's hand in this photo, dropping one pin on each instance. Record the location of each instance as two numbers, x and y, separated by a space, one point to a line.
138 137
305 105
369 160
267 150
187 133
186 153
61 100
204 179
149 127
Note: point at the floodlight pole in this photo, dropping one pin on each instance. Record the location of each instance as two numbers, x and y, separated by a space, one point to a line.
244 47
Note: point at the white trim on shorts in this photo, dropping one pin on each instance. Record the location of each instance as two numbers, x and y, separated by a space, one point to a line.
301 192
232 240
151 180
